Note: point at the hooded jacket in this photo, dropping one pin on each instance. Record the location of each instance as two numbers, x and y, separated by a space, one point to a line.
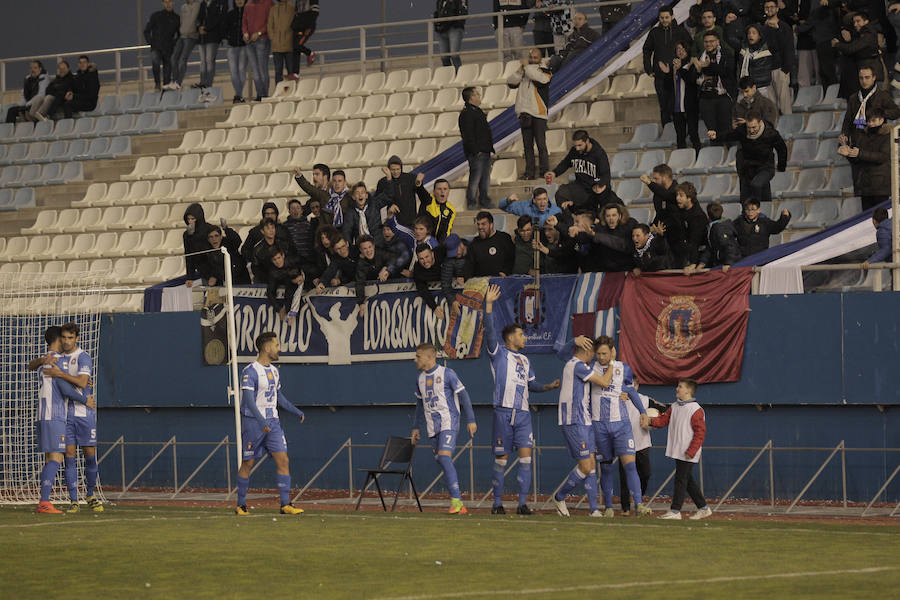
213 17
721 245
254 236
589 167
34 87
403 192
655 255
213 263
884 237
195 238
533 97
161 31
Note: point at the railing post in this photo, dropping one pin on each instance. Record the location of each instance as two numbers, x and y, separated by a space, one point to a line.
877 280
429 35
500 39
175 460
814 477
472 472
350 465
119 74
122 454
362 53
771 473
844 471
3 77
895 199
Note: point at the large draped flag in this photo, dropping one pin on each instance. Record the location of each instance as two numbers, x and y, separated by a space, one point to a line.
676 326
595 302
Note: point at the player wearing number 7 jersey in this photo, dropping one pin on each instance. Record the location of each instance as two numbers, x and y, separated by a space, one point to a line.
260 426
513 379
440 393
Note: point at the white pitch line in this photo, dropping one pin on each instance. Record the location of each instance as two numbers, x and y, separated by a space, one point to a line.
636 584
101 520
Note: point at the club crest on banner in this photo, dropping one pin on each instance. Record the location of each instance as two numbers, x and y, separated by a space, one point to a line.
679 328
530 306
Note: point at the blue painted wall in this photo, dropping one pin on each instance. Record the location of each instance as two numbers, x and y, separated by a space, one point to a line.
817 366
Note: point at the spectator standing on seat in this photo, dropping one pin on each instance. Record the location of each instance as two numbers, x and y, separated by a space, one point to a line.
341 270
402 189
860 48
780 39
721 242
686 242
492 252
685 99
450 33
860 103
261 257
538 208
478 145
44 107
269 211
237 50
756 165
524 243
718 85
532 82
161 32
303 26
318 188
614 237
589 162
259 46
821 24
283 272
552 26
85 89
278 26
212 267
884 235
871 155
195 238
188 37
302 235
211 21
513 26
659 52
439 210
749 99
753 228
651 252
755 61
34 87
579 40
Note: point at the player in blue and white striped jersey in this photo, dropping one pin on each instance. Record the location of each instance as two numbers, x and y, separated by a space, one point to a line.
52 412
440 394
261 431
513 379
575 420
612 426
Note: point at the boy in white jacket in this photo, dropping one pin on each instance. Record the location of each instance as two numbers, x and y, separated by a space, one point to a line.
687 429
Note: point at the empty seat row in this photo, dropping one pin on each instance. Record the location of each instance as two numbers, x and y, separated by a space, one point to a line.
125 271
35 175
133 102
157 242
107 126
64 151
16 199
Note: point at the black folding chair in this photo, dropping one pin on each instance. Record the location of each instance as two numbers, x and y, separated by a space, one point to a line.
397 451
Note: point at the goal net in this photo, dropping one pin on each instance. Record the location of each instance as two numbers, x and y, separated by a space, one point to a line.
29 303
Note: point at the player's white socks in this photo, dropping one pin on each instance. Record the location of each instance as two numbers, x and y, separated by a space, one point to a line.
524 478
499 468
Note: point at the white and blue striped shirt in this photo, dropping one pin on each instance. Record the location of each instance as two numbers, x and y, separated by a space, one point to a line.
605 402
574 394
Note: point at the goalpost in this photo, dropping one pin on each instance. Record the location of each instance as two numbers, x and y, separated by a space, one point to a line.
29 303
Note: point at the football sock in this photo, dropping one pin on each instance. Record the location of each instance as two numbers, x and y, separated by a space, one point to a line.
575 477
499 468
90 473
48 476
590 486
71 474
284 488
634 482
524 478
449 475
606 482
243 484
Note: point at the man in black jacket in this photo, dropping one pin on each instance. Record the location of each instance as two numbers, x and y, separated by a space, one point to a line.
453 269
858 49
302 236
426 271
373 265
513 26
721 242
261 263
364 219
580 39
35 86
871 159
753 229
478 145
212 267
691 234
651 252
161 33
394 245
867 98
755 161
615 235
45 106
342 269
492 252
401 189
195 239
662 185
283 272
659 50
211 27
282 234
780 39
589 162
85 89
718 86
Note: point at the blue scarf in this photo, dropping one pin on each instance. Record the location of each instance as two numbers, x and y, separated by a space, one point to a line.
334 207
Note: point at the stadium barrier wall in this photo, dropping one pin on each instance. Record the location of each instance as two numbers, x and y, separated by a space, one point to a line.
818 369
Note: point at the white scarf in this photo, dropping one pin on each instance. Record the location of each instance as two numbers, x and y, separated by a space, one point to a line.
860 120
363 222
640 251
762 127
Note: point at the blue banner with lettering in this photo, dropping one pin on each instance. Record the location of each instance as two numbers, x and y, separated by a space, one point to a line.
332 328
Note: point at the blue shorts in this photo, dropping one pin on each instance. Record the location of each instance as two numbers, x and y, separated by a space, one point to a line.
256 442
82 431
509 436
613 439
579 440
51 436
444 440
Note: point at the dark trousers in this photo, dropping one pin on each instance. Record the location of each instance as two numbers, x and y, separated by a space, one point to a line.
542 38
686 124
757 186
14 111
289 61
684 481
78 105
164 62
534 131
716 113
665 95
871 201
827 63
479 180
642 462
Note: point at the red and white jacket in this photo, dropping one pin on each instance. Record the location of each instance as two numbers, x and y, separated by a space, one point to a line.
687 430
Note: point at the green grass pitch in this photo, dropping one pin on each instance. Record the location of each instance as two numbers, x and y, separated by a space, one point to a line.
139 552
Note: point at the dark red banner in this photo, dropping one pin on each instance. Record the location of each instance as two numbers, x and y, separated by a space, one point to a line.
674 326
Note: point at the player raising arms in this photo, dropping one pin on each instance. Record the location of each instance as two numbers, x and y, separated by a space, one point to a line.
513 379
52 415
440 393
575 420
612 427
260 426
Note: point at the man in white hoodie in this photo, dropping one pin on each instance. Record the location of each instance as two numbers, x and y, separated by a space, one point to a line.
532 106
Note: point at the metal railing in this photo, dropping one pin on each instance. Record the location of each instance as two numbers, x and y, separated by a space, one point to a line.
468 450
